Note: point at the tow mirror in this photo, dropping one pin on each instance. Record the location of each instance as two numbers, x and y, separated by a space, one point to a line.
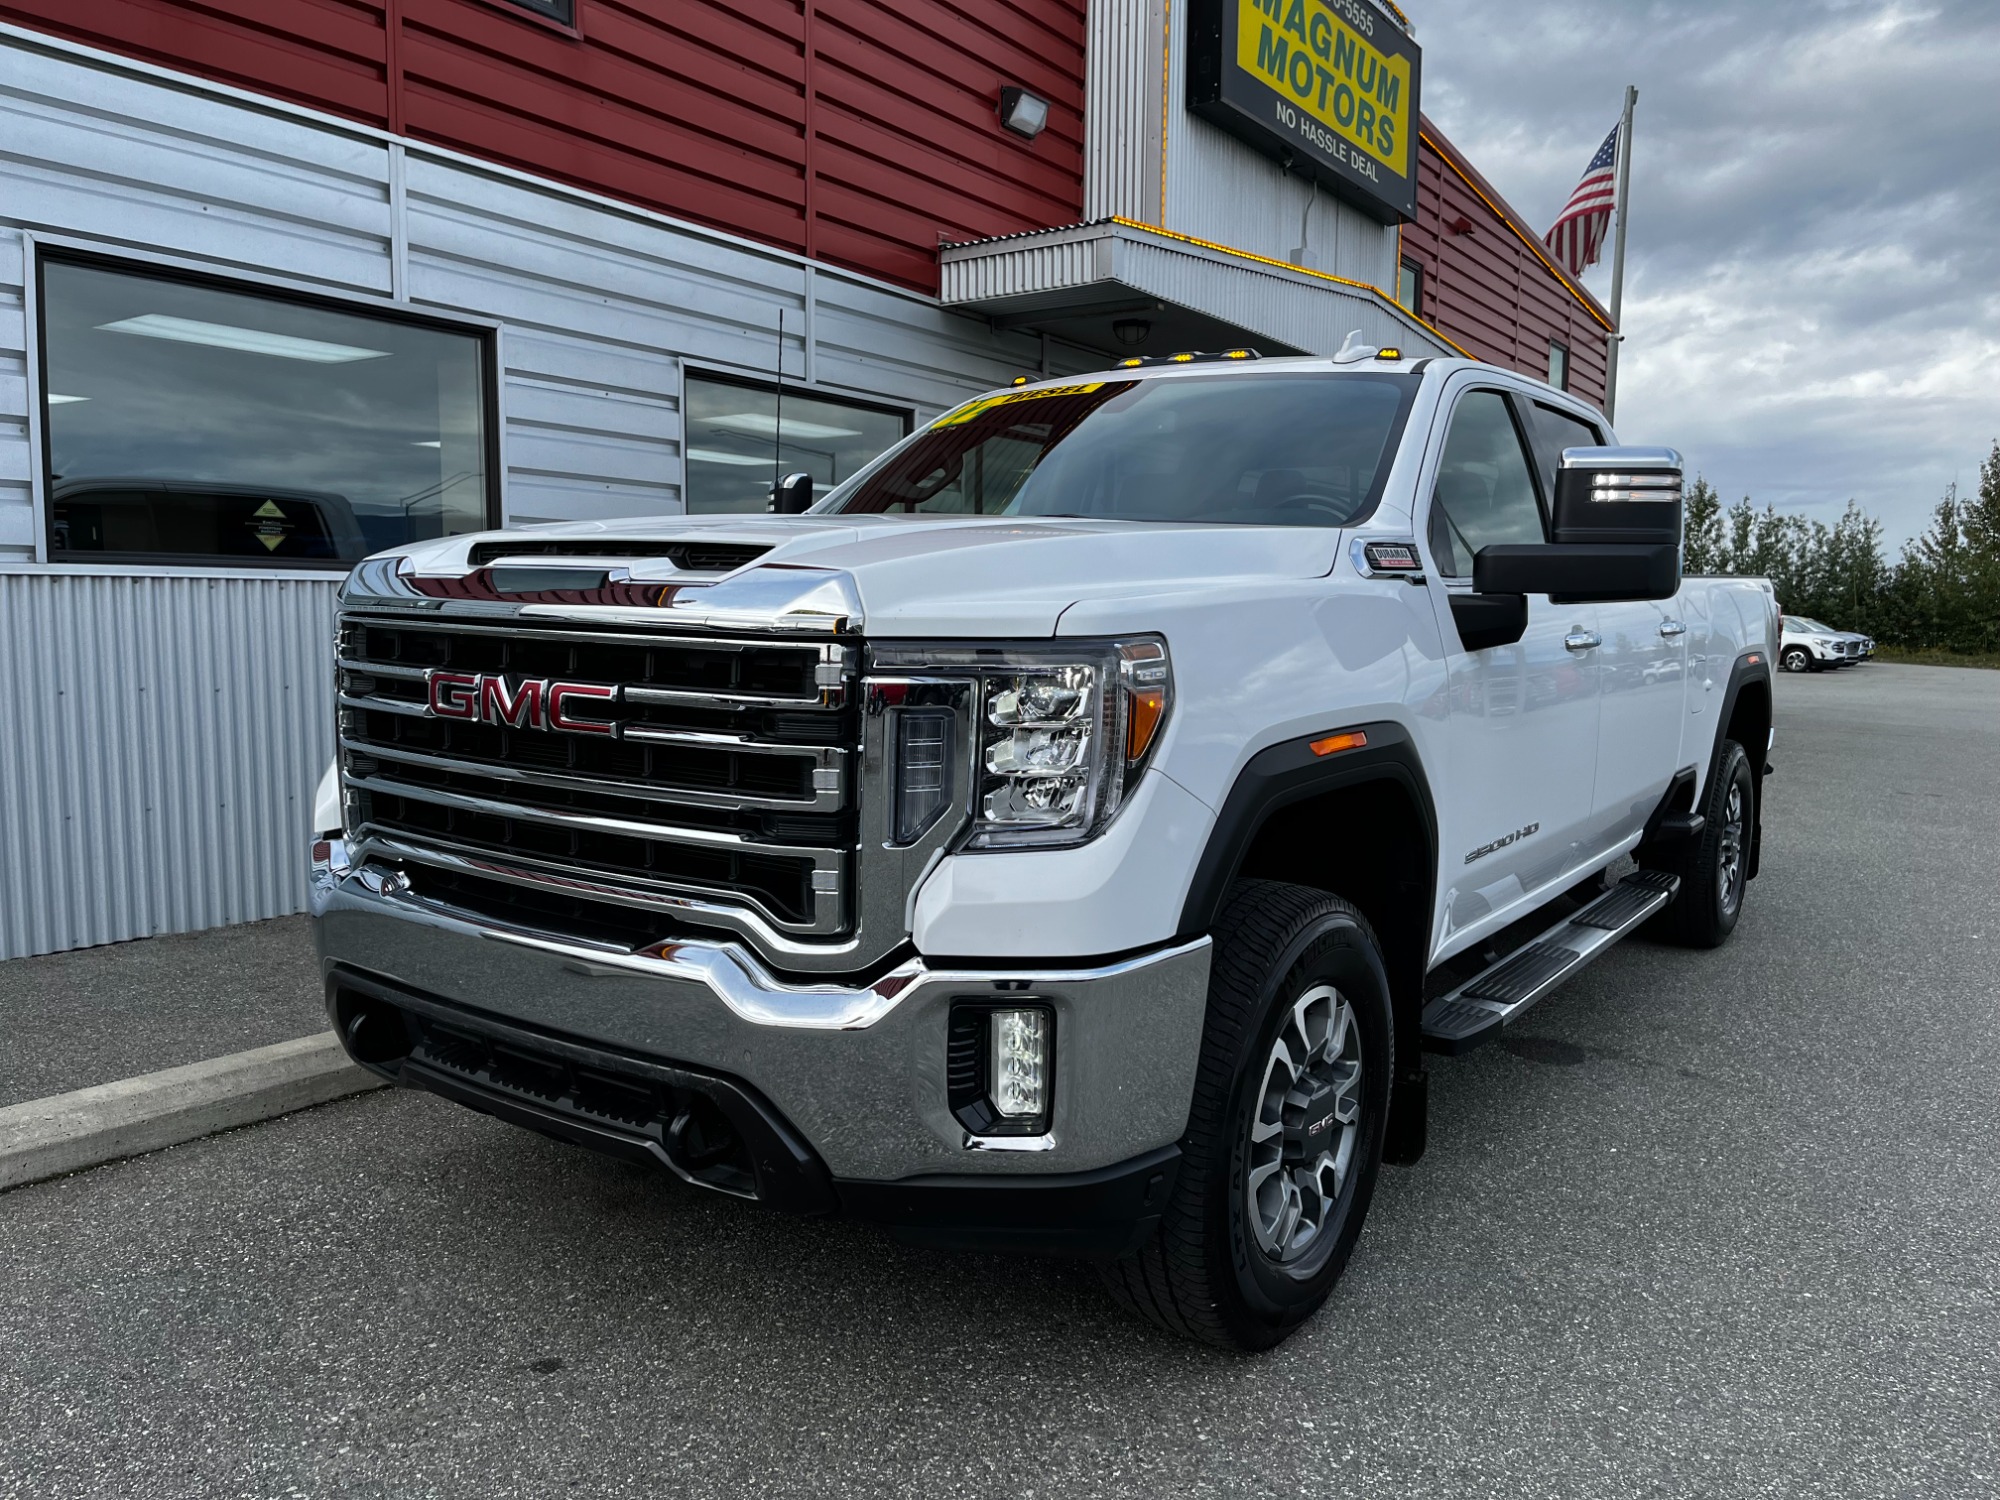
1619 496
1617 529
792 495
1580 572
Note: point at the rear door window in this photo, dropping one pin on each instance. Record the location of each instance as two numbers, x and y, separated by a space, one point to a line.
1556 430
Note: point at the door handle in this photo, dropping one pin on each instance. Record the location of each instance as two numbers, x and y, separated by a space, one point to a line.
1583 640
1672 628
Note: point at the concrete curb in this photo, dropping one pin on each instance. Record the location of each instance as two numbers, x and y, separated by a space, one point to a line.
67 1132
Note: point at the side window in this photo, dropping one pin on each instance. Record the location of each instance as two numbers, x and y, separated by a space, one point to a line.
1485 491
1556 430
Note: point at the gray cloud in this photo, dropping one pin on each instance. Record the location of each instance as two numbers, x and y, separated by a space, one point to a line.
1813 294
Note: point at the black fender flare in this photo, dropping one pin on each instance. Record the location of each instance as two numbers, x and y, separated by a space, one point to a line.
1751 666
1288 773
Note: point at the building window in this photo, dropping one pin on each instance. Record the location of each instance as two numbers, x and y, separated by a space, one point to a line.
1558 365
1410 288
189 422
562 12
736 448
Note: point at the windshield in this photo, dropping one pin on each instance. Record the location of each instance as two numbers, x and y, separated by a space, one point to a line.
1265 450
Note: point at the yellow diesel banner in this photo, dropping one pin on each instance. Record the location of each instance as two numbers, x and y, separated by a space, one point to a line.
1303 49
1328 86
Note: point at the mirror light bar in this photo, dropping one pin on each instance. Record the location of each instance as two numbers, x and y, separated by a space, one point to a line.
244 340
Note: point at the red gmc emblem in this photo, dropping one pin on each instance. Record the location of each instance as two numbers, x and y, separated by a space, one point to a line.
525 703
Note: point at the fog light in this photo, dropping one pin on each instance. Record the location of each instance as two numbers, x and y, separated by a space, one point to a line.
1018 1082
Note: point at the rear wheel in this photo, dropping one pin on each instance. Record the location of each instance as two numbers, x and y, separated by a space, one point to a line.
1714 866
1285 1135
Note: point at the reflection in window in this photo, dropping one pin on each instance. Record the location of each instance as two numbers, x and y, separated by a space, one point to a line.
562 12
1239 449
191 423
735 451
1410 287
1485 493
1558 365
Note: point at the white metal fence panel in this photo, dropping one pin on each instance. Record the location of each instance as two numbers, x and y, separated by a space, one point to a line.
159 747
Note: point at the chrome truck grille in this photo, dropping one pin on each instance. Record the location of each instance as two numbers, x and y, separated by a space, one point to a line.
674 778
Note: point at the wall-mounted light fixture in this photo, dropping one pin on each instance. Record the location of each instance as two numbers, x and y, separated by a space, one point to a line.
1131 330
1023 113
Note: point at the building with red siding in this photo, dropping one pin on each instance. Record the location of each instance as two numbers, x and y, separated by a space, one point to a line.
1476 270
284 282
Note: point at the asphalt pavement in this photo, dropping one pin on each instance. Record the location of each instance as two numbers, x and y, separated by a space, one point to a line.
1706 1223
96 1015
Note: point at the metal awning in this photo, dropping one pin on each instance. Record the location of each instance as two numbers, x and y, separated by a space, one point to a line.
1078 282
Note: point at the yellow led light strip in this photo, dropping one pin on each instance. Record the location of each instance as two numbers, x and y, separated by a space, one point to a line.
1285 265
1507 219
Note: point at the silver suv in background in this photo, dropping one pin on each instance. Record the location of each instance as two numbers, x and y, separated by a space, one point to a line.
1807 645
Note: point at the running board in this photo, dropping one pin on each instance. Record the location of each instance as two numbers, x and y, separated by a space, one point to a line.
1477 1010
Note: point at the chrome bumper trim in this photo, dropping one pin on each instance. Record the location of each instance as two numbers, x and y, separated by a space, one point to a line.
858 1068
752 992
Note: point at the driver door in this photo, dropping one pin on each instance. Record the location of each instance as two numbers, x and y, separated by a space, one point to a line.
1521 720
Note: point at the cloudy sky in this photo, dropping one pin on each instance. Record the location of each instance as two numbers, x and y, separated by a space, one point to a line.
1812 297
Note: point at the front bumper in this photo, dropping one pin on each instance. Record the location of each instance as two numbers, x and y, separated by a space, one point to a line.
857 1075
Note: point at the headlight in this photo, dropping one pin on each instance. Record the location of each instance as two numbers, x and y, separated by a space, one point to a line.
1063 731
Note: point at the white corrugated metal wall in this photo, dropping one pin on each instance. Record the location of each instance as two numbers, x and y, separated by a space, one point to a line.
164 735
161 729
1210 185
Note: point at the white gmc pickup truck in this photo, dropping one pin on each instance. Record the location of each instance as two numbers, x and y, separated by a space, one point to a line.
1071 832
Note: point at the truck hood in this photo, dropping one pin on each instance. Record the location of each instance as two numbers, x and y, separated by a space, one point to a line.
903 576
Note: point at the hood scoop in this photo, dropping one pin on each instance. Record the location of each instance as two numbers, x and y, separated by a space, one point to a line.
691 556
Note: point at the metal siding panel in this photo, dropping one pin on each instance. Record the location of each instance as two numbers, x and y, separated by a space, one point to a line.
325 53
1314 316
1015 273
89 153
1122 111
901 350
158 775
903 99
17 505
1218 188
700 108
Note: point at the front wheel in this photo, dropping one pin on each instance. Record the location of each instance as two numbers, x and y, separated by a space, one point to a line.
1796 659
1714 866
1285 1135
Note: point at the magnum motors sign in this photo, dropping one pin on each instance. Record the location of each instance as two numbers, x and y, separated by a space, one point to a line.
1328 86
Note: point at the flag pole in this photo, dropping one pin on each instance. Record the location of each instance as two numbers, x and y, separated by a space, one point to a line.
1618 255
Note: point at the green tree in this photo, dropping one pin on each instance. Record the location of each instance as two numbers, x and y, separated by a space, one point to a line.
1945 593
1702 533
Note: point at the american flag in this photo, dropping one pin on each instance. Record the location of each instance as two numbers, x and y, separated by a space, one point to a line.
1579 232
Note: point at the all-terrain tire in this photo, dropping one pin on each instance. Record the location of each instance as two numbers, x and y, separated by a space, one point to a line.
1203 1274
1714 866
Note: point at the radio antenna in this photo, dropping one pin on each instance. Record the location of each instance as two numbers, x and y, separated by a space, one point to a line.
778 422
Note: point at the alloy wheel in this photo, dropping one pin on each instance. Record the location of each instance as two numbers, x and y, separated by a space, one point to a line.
1303 1135
1729 851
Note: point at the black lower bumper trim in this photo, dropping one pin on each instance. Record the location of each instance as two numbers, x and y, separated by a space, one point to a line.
719 1132
1103 1213
712 1130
